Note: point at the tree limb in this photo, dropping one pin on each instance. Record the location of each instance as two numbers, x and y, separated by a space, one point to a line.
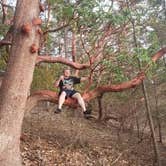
56 29
47 95
4 43
50 59
7 40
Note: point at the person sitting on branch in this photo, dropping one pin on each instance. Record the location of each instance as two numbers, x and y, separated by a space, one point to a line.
66 83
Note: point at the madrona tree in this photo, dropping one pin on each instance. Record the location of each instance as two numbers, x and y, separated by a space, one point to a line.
92 38
18 78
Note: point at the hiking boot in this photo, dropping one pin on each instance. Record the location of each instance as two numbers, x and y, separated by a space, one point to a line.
87 112
57 111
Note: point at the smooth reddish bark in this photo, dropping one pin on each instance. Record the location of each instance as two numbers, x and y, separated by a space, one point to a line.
46 95
16 83
50 59
159 54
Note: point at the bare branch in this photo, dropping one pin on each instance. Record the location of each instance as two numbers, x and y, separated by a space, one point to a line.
7 40
128 84
46 95
50 59
4 43
56 29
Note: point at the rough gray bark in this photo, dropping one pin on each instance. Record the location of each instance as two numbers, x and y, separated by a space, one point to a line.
15 86
100 110
147 105
157 112
151 125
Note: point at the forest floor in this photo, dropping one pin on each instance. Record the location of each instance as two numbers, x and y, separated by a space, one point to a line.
67 139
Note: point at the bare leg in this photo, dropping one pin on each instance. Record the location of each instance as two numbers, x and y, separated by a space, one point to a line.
80 100
61 99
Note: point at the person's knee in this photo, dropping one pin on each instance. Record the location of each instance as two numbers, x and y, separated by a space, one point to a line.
78 96
63 94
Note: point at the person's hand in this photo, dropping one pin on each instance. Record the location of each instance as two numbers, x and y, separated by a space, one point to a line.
56 84
61 77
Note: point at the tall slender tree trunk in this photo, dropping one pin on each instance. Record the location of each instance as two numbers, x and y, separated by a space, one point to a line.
151 125
4 10
74 50
157 113
74 46
66 43
147 105
100 110
15 86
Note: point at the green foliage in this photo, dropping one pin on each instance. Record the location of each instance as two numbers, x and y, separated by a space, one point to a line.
3 29
142 55
53 2
155 2
49 42
107 63
155 44
68 11
90 18
45 76
87 17
159 34
118 18
2 64
3 58
118 74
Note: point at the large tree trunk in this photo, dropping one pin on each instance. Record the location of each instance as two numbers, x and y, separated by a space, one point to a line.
15 86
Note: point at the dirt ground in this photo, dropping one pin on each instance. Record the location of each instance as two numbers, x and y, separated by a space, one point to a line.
67 139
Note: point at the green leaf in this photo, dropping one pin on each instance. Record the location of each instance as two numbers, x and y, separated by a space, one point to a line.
68 11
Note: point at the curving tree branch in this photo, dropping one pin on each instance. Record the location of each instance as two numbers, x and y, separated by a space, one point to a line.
56 29
47 95
4 43
50 59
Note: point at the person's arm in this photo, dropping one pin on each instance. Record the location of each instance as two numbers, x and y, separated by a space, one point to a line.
56 83
84 79
78 80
